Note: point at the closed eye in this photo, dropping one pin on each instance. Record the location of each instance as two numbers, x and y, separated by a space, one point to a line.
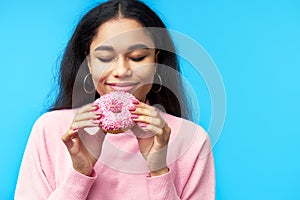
137 59
105 59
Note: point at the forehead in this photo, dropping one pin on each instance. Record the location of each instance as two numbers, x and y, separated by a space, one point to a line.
121 33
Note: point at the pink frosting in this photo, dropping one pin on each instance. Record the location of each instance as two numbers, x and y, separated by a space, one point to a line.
114 108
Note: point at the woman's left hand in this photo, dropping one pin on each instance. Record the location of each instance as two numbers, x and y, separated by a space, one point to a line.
155 146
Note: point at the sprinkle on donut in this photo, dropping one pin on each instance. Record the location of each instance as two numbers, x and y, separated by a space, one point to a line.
114 107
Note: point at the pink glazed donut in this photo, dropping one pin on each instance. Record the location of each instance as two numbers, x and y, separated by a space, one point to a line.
114 107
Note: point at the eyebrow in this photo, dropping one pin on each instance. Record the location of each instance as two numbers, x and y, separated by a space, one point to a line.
131 48
104 48
137 46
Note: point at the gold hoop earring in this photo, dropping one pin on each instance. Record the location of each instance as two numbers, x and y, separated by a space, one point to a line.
84 83
160 84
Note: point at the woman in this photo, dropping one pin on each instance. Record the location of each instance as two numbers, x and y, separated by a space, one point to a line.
118 45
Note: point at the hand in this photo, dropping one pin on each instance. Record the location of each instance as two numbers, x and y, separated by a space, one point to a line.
83 160
154 147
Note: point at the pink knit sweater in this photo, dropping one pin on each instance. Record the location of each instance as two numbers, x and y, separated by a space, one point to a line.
121 171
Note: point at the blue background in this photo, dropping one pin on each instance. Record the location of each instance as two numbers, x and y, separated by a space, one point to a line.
255 44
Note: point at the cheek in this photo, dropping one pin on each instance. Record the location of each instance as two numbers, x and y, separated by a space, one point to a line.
98 71
98 80
145 74
145 77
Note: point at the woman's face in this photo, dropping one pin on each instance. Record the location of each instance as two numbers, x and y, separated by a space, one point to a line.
122 58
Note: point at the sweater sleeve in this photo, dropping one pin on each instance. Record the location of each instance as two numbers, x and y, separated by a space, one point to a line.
192 178
201 181
37 178
162 187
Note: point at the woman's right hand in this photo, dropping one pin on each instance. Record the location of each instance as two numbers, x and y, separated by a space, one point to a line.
83 161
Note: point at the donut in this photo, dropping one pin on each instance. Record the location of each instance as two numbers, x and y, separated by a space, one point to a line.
114 108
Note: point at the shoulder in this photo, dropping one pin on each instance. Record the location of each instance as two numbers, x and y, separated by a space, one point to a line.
56 116
187 136
54 121
184 126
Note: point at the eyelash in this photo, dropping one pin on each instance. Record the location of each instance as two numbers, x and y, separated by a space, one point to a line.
107 60
138 59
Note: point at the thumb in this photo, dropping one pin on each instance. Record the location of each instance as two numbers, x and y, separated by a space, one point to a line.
70 137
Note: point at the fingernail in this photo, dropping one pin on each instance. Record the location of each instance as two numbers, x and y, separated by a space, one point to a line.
98 117
135 101
142 124
96 121
95 105
98 112
132 108
133 116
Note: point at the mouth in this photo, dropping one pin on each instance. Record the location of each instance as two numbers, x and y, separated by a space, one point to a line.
123 86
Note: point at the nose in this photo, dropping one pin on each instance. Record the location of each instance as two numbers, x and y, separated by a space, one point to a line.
121 67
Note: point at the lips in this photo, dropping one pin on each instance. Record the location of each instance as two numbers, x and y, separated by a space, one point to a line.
123 86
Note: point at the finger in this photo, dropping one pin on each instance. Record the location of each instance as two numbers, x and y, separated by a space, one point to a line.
146 111
154 129
87 123
91 115
143 105
149 120
161 138
88 108
166 131
69 136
